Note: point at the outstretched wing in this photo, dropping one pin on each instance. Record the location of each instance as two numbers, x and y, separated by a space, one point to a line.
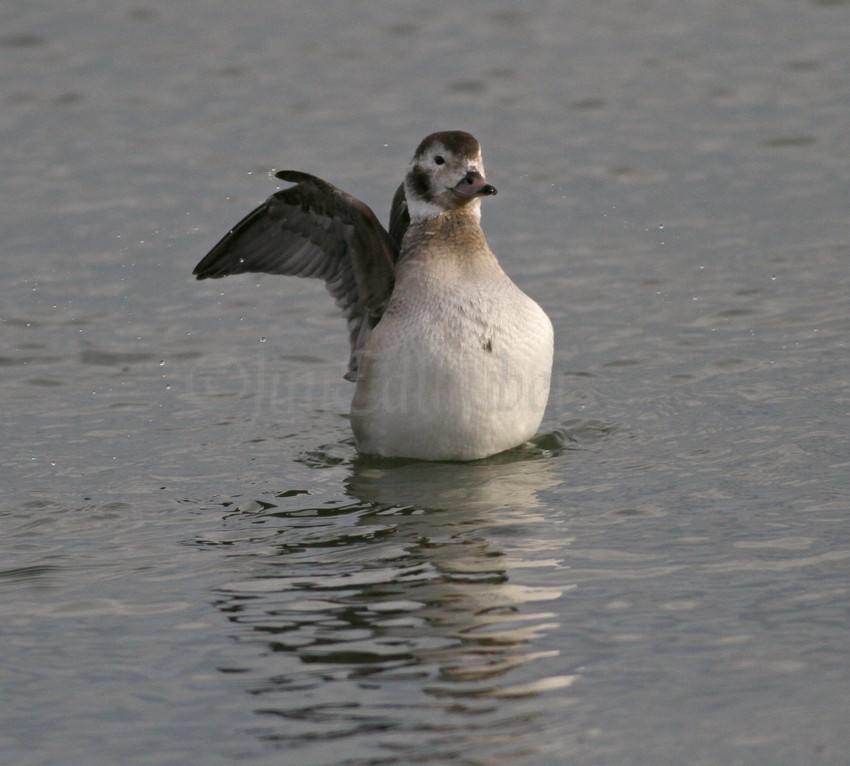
314 229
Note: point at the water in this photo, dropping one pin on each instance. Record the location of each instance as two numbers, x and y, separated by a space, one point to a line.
195 565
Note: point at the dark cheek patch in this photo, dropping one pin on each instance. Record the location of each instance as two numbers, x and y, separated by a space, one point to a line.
418 179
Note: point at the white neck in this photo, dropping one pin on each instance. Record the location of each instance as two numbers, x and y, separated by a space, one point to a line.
422 210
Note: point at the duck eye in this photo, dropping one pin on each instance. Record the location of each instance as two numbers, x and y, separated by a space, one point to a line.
439 160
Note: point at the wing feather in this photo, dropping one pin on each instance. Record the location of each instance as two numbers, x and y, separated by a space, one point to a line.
399 217
314 229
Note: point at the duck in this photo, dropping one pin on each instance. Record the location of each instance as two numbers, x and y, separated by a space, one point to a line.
451 361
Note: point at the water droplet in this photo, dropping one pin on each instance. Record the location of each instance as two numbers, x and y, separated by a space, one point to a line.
660 225
263 339
162 363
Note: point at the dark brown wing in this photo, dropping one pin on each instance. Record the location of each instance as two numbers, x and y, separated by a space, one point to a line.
314 229
399 217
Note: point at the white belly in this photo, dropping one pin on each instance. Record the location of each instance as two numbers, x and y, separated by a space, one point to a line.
460 375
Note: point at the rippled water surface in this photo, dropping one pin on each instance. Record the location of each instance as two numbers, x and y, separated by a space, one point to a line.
196 567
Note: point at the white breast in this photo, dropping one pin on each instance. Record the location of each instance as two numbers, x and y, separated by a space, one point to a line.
457 369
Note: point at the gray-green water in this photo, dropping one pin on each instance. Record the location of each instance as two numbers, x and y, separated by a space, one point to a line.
196 568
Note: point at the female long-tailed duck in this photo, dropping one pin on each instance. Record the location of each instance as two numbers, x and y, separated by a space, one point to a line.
451 360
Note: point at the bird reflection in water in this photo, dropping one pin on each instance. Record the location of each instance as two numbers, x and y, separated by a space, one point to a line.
402 606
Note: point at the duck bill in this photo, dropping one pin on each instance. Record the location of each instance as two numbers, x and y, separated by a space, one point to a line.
473 184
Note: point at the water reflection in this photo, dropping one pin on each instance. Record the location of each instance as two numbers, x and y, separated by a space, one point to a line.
395 609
